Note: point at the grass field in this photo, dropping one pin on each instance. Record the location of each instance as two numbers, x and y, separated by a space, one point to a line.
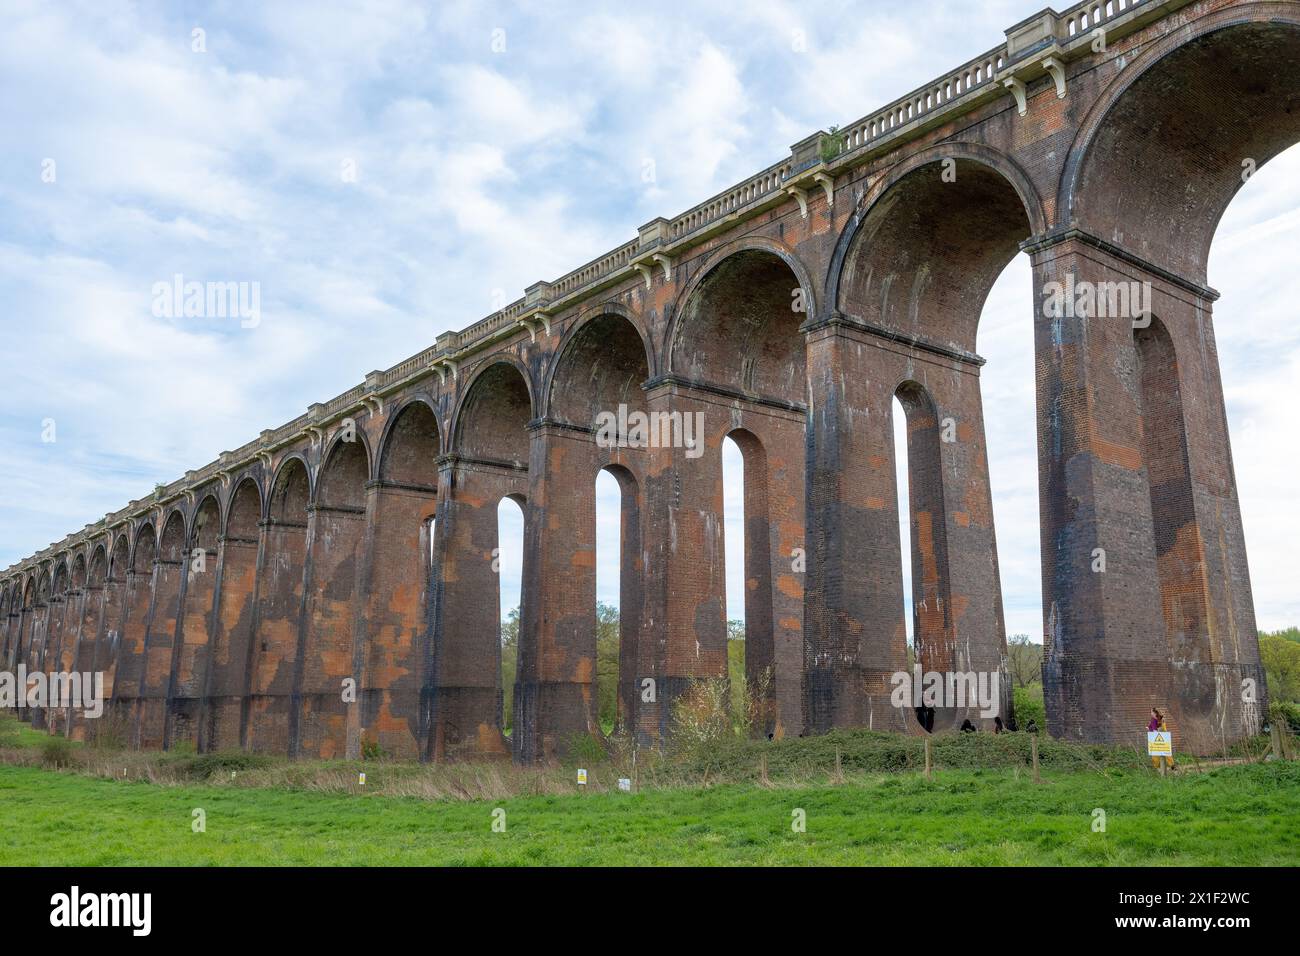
862 794
1243 815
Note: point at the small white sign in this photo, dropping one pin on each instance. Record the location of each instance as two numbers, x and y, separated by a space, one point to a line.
1160 743
624 784
361 779
582 777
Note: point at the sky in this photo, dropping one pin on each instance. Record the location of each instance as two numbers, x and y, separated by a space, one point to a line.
387 171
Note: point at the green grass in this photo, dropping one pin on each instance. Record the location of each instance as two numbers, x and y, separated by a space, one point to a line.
14 733
1241 815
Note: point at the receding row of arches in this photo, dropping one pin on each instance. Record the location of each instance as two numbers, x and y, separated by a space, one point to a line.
297 642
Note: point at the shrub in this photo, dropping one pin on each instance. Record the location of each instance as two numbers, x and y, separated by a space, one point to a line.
1286 714
753 709
832 144
56 752
109 732
585 750
202 766
866 751
701 715
1028 702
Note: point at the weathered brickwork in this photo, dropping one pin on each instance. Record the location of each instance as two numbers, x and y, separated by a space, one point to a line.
332 585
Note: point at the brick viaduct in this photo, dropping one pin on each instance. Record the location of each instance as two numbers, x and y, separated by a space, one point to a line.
790 310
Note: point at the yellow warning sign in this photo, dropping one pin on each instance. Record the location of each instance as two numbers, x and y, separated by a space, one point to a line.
1160 743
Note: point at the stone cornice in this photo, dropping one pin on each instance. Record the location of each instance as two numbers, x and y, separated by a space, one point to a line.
837 319
387 484
671 379
1036 244
489 464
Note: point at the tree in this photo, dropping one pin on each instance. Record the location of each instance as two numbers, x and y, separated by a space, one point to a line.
607 649
1024 660
1281 660
509 664
736 664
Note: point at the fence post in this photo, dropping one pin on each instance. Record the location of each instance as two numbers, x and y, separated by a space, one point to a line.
1033 751
927 757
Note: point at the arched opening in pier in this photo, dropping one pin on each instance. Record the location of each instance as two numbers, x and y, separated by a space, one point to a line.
508 561
923 529
618 595
751 628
